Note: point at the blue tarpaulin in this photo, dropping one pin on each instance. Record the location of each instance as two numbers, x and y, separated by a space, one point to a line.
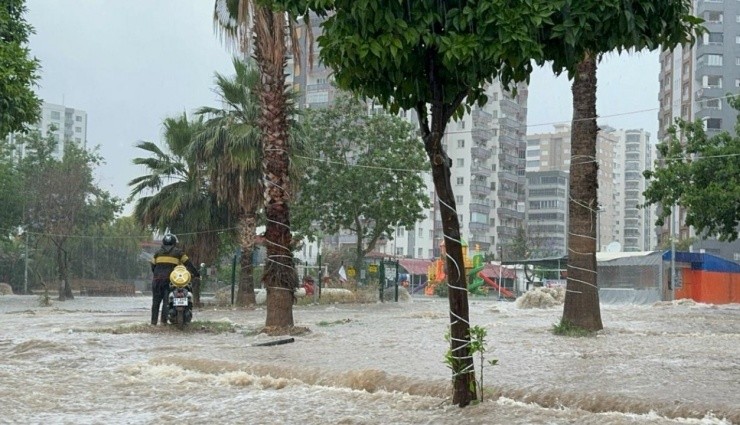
704 261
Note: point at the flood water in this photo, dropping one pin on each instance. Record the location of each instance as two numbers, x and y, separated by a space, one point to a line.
365 364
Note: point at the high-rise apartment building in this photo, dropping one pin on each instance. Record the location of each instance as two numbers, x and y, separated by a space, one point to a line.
622 156
487 150
63 123
694 83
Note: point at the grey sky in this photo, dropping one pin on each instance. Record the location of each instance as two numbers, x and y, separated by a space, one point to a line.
131 63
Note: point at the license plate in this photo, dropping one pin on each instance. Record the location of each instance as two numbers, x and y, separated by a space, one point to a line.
180 302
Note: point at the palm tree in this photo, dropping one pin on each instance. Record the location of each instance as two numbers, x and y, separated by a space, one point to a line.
180 199
268 35
230 146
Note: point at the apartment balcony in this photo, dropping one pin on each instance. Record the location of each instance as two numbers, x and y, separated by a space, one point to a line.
506 232
481 134
504 212
481 118
480 189
508 176
508 195
510 123
479 244
480 170
509 159
508 140
480 152
318 87
478 227
480 207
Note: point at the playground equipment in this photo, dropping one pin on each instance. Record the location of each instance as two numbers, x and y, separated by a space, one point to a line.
478 283
436 273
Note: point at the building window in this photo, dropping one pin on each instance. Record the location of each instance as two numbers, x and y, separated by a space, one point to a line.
431 234
714 38
78 118
713 123
494 113
460 143
78 140
714 104
461 125
317 97
460 162
712 81
460 181
459 199
713 16
737 39
55 115
399 250
421 233
737 61
710 60
495 97
494 132
78 129
420 252
737 82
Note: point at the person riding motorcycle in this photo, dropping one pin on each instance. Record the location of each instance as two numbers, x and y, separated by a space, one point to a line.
163 262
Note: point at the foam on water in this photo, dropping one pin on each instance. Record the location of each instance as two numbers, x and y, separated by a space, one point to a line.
366 364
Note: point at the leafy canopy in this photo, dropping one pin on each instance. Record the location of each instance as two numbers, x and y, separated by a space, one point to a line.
415 52
579 27
19 105
365 174
702 175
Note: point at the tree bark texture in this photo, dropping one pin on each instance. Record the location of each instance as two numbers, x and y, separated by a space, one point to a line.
581 306
280 278
464 383
245 295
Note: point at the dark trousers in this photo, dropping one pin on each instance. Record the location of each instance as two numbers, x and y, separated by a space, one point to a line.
160 296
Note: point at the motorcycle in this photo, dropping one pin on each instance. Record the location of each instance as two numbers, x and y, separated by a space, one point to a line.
180 297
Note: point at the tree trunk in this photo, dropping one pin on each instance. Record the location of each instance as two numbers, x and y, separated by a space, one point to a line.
464 382
582 297
245 295
280 278
65 289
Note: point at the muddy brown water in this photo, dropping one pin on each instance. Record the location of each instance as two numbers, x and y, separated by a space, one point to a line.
365 364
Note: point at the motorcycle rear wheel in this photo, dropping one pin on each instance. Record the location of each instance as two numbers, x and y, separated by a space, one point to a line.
180 318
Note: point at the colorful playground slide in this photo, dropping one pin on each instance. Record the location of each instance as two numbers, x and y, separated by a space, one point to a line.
505 292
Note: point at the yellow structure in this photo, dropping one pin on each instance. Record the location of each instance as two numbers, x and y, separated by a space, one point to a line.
436 272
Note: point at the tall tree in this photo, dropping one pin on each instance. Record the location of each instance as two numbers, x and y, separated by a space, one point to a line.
231 148
62 198
357 157
435 58
701 174
19 105
176 192
574 38
266 40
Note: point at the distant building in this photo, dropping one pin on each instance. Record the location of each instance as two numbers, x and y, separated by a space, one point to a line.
547 213
622 156
487 149
65 125
694 82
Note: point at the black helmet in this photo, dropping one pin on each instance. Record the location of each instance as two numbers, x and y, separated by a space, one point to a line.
169 240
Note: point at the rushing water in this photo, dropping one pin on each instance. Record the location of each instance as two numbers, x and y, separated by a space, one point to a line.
365 364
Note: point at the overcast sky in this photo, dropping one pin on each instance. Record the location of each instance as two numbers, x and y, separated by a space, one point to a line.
131 63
